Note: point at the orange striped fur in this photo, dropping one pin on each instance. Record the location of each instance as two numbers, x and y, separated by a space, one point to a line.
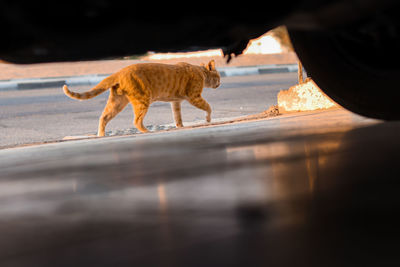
144 83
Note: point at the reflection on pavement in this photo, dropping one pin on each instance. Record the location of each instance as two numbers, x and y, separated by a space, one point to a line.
318 189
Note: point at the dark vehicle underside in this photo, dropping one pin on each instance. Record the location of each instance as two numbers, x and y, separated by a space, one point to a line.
350 48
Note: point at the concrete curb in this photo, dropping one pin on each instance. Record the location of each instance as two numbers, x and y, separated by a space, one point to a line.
93 79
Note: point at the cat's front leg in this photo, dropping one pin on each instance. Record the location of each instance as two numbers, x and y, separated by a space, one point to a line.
200 103
176 110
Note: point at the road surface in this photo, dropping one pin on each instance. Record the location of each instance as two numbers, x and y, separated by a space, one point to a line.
311 189
47 114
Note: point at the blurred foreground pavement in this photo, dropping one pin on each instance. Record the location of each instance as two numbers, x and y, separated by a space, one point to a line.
312 189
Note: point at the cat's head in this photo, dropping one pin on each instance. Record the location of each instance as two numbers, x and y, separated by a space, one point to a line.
213 79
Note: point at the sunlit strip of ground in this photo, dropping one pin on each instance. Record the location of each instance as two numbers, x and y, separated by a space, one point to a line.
265 44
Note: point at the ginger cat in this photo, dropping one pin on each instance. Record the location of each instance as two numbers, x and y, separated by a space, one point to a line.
141 84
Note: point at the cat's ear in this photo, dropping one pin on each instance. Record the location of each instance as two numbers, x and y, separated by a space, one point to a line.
211 65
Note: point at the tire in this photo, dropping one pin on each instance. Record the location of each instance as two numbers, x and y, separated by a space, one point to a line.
360 76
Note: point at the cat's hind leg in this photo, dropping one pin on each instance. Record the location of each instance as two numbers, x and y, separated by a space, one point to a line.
115 104
176 110
200 103
140 110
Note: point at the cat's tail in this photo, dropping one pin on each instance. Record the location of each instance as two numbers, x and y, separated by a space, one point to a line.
103 86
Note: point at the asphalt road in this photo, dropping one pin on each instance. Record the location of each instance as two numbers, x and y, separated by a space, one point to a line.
28 116
307 189
310 189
